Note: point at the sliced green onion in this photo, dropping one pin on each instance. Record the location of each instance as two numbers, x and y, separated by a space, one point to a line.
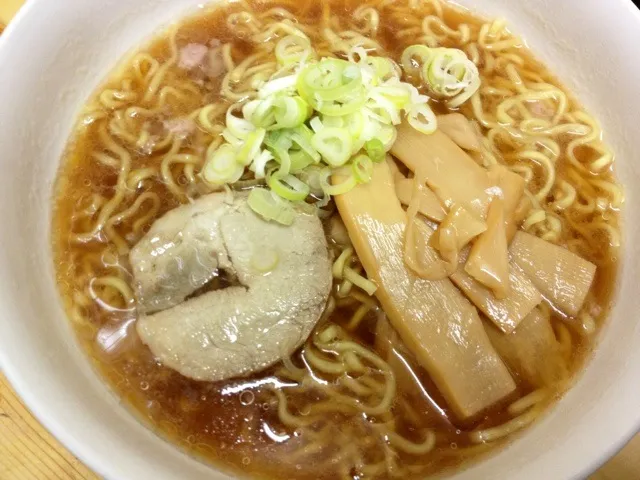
423 119
446 72
414 57
334 144
348 105
334 122
293 49
387 134
231 138
396 94
270 206
263 113
222 167
332 86
330 79
358 51
302 136
316 124
354 122
283 158
259 165
362 167
249 109
384 109
375 150
416 97
466 94
288 186
278 85
345 186
311 118
371 127
384 68
374 113
300 160
311 176
239 127
251 148
279 142
290 112
279 139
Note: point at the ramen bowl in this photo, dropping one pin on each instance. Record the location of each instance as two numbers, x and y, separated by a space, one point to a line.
51 66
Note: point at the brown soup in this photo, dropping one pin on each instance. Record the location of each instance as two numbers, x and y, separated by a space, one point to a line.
244 425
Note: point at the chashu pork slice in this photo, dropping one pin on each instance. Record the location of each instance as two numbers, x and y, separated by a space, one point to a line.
181 253
284 276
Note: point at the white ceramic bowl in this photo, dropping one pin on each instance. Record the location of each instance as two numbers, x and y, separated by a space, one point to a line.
51 59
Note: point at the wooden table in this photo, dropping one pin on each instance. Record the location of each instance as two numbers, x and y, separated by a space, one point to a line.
28 452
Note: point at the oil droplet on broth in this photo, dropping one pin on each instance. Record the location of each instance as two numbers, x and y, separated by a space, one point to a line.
247 397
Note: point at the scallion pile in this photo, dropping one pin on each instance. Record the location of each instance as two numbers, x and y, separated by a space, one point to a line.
318 116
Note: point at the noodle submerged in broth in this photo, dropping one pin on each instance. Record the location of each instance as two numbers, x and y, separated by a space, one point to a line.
352 402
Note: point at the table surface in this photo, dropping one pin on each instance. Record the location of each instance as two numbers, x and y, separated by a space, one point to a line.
28 451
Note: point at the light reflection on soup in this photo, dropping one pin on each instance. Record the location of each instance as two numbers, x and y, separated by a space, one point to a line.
164 107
